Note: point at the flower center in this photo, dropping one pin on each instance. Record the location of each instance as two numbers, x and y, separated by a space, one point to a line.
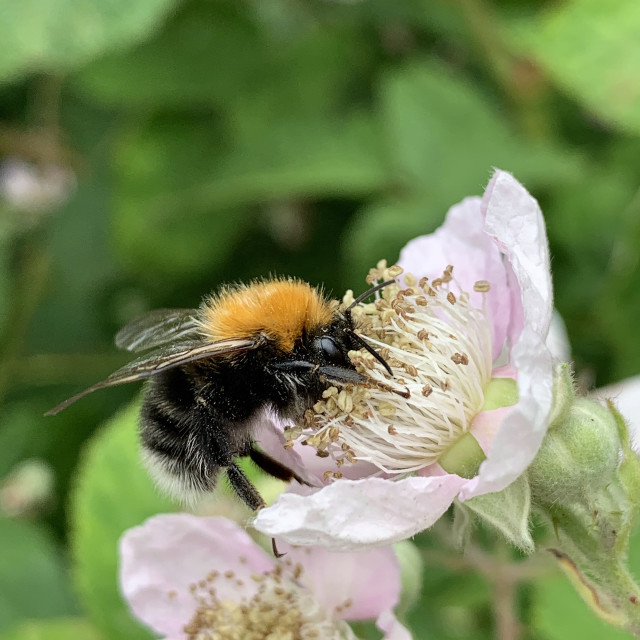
272 607
439 346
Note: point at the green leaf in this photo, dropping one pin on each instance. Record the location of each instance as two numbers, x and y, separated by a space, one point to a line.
508 512
559 613
5 261
74 292
160 210
184 191
113 493
411 568
592 49
619 311
33 577
365 630
219 53
306 78
382 229
423 105
307 157
182 64
21 434
56 629
438 161
45 35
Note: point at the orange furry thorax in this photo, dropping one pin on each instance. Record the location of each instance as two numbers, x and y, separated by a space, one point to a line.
281 310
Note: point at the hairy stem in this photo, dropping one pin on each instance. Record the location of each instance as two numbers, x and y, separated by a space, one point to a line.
507 625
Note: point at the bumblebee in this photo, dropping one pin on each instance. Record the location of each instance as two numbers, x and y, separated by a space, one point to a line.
212 371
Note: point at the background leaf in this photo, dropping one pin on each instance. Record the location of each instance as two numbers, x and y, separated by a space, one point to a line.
67 32
33 575
422 105
207 54
560 613
592 50
56 629
113 494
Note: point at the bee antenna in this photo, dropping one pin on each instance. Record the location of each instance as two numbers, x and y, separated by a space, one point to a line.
361 341
366 294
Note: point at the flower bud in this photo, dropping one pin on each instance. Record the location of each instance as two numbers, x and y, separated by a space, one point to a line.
591 533
578 457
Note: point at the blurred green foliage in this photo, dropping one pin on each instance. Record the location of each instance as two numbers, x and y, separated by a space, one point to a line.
113 493
151 150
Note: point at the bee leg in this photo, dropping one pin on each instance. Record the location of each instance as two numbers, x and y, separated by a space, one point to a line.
274 547
248 493
273 467
243 487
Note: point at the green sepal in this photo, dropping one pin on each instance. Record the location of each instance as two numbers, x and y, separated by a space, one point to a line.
629 476
462 525
508 512
563 394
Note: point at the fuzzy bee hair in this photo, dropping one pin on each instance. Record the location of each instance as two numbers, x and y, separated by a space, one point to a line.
212 372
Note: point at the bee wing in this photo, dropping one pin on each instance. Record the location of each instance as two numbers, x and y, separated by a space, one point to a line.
157 328
162 360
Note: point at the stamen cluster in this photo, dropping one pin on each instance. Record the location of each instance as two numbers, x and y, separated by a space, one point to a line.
439 346
273 607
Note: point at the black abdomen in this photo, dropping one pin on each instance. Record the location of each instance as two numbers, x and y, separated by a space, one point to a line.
186 431
169 432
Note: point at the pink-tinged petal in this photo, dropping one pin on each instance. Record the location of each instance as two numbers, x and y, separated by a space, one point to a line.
271 440
432 470
162 557
626 397
523 428
315 466
355 514
370 580
303 459
485 426
507 371
513 218
318 466
462 242
392 629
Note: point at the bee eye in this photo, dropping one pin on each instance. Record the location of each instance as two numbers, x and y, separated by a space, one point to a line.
328 348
